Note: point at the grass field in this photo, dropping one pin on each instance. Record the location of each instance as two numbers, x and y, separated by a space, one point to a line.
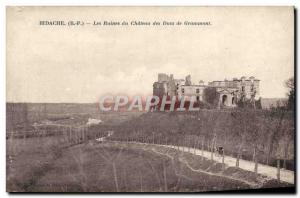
28 159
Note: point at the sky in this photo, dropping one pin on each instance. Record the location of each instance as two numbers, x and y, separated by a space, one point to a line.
82 63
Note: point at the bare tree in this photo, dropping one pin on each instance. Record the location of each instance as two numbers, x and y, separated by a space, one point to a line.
290 84
275 133
211 96
240 126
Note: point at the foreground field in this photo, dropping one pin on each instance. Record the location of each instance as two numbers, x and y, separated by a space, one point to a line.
42 165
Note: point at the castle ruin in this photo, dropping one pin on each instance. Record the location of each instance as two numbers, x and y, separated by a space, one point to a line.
230 92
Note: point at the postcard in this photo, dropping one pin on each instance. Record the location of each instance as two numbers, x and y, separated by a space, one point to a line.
150 99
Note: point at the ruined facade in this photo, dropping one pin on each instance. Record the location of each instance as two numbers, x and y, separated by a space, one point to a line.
229 91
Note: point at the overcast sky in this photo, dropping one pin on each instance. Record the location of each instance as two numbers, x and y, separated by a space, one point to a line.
79 64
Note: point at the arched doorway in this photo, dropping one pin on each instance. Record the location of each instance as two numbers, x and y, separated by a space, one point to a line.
224 99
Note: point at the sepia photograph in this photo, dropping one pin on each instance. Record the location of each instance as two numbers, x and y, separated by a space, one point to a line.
150 99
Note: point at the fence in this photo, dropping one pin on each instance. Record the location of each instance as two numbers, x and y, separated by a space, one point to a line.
190 145
68 134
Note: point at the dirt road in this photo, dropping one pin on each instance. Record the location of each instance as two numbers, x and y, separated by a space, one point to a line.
285 175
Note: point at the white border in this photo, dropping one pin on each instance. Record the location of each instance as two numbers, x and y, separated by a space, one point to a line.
4 3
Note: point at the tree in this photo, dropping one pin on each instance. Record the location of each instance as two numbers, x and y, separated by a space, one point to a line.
239 129
290 84
211 96
275 127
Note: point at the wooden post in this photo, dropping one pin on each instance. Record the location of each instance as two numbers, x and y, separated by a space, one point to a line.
188 144
237 164
278 170
153 138
72 135
284 163
75 135
254 153
195 145
211 155
69 134
208 147
165 177
202 148
81 134
256 165
85 130
223 159
255 161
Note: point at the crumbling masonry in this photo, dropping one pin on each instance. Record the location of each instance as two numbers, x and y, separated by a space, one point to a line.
229 91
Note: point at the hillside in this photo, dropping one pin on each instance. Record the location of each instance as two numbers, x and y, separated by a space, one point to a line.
239 132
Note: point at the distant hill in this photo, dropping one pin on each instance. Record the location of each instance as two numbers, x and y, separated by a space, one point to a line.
267 103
